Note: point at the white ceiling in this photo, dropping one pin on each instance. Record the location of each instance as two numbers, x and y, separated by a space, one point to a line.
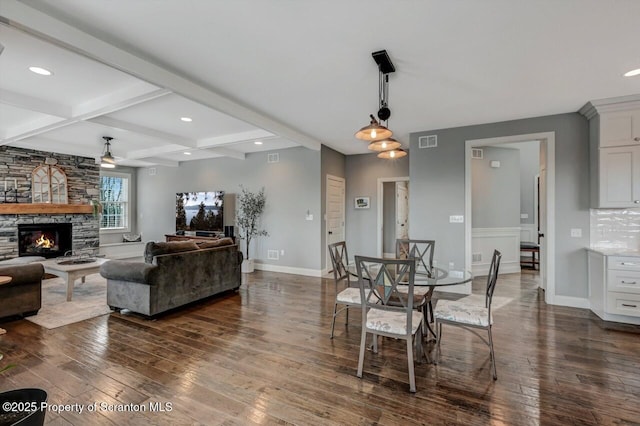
295 73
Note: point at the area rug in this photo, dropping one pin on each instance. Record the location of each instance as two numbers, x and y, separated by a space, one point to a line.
89 301
478 300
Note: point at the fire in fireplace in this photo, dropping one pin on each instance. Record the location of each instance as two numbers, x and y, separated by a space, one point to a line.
44 239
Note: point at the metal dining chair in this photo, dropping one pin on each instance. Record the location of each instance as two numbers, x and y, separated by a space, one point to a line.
469 316
385 311
349 296
422 252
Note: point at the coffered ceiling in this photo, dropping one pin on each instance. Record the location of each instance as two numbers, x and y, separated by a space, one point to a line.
290 73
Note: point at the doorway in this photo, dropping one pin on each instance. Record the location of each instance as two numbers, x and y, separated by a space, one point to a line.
547 203
335 204
393 213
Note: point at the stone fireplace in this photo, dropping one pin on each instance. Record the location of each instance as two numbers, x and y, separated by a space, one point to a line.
44 239
83 178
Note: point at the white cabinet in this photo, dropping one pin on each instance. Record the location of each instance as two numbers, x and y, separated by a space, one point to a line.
614 287
620 128
619 171
614 139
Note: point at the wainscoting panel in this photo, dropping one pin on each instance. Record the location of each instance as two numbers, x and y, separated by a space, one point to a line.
529 232
505 240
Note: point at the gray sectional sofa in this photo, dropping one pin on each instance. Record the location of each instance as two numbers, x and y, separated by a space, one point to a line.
174 274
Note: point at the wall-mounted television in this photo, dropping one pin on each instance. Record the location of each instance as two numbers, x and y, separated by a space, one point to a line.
200 211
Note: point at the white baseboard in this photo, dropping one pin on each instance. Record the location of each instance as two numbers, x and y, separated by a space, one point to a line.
572 302
289 270
621 318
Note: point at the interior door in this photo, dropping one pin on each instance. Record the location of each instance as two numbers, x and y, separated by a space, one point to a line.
335 212
542 224
402 210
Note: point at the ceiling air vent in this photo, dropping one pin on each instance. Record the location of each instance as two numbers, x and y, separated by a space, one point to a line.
430 141
273 158
476 153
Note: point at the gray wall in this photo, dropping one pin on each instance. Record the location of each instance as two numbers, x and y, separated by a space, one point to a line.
496 191
116 237
332 163
529 168
437 190
362 173
292 187
389 217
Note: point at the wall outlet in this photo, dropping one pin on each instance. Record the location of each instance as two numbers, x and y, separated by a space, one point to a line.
308 217
152 171
456 219
476 257
495 164
576 232
281 252
524 216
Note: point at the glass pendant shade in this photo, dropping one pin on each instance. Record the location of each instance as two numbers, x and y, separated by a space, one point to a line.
392 154
384 145
374 131
106 160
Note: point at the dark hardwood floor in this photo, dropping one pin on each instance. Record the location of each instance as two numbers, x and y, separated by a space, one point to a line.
263 356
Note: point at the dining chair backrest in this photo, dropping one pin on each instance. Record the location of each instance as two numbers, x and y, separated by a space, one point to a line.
492 278
379 280
339 262
421 250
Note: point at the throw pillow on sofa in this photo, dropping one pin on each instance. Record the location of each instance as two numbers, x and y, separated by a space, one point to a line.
153 249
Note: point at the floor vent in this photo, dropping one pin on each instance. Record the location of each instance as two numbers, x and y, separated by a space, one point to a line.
273 158
476 153
430 141
273 255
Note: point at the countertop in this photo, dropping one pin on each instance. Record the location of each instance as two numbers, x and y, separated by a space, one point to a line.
615 252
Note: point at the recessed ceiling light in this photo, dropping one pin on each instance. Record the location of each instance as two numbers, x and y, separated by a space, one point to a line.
632 73
186 153
258 142
187 119
40 70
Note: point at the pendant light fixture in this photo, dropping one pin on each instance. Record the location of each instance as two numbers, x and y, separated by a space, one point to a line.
373 131
384 145
392 154
106 160
376 133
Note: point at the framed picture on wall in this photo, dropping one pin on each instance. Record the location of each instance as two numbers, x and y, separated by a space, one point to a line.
362 202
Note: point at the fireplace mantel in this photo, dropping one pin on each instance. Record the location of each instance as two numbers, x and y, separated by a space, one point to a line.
45 208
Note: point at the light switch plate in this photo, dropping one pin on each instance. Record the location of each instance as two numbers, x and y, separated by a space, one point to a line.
576 232
456 219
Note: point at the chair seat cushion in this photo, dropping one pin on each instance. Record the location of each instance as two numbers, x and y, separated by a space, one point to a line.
392 322
529 245
450 310
349 295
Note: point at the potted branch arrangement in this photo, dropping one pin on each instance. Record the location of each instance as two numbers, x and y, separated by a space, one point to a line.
22 407
250 206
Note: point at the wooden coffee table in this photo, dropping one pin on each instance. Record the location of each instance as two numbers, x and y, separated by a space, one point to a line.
72 272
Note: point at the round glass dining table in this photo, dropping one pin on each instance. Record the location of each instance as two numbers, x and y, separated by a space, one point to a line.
438 277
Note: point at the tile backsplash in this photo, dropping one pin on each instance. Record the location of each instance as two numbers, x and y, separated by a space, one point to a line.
615 229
